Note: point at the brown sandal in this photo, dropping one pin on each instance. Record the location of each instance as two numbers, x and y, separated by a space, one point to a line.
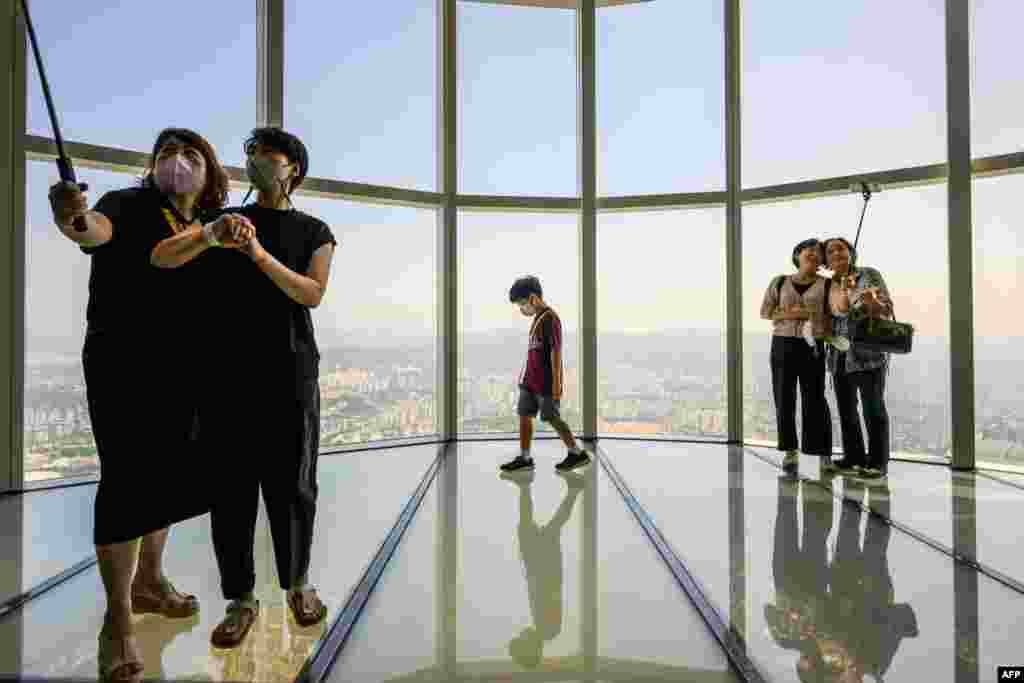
233 629
307 611
169 602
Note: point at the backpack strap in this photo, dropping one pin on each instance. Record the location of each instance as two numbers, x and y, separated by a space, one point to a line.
779 281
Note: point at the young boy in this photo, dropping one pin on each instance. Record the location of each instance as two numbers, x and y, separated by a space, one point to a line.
540 383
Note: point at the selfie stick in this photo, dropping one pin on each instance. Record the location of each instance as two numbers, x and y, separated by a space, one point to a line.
866 191
67 174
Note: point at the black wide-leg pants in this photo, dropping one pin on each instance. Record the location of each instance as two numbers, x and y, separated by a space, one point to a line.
793 361
263 433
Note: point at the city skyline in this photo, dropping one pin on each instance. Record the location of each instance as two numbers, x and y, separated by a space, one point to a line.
375 393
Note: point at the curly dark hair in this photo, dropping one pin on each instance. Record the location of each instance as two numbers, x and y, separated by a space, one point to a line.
284 142
215 193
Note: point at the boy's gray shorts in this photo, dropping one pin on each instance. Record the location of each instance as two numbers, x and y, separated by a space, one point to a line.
530 403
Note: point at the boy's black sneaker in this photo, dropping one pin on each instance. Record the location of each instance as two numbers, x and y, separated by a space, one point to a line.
520 463
573 460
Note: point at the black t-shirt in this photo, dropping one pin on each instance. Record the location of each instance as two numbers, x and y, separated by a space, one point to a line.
255 314
128 295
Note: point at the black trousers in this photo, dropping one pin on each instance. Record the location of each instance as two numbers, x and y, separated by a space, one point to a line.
870 385
801 569
793 362
264 435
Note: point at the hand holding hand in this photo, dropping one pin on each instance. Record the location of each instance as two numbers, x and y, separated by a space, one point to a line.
251 247
68 201
233 230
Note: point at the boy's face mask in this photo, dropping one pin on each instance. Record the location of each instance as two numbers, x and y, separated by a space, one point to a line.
528 309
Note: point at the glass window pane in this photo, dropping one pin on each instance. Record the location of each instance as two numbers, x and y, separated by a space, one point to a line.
361 89
904 237
117 78
517 100
660 120
998 333
375 325
494 250
836 88
57 430
661 339
997 111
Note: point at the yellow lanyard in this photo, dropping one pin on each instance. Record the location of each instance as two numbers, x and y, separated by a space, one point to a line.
176 225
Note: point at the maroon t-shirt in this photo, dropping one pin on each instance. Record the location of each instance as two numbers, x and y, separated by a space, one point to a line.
542 373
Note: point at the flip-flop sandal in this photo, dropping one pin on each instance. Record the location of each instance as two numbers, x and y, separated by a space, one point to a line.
233 629
170 603
114 662
307 612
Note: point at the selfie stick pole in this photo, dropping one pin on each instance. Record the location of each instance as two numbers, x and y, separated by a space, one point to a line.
67 173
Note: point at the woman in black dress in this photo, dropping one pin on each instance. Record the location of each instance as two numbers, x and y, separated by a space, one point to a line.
143 416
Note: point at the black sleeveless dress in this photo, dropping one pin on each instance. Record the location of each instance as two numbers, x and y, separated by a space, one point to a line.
139 356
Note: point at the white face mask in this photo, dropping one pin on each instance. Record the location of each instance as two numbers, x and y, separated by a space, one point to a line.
528 309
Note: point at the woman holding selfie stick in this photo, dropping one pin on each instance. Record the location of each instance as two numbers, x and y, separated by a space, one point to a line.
140 337
859 292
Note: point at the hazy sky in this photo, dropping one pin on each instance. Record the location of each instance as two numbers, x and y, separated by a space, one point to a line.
829 89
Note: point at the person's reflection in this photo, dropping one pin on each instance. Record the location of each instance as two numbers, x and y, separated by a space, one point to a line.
842 619
276 649
154 636
800 569
863 624
541 550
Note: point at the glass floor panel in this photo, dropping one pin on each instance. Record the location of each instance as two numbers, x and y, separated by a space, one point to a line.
824 585
49 532
361 496
549 577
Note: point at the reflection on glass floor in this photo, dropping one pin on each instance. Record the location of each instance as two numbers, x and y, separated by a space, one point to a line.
55 635
536 577
822 589
550 577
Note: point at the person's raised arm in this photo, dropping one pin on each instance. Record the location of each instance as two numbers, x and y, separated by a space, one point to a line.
68 201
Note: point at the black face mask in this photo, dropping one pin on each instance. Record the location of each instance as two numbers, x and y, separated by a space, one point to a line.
263 174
